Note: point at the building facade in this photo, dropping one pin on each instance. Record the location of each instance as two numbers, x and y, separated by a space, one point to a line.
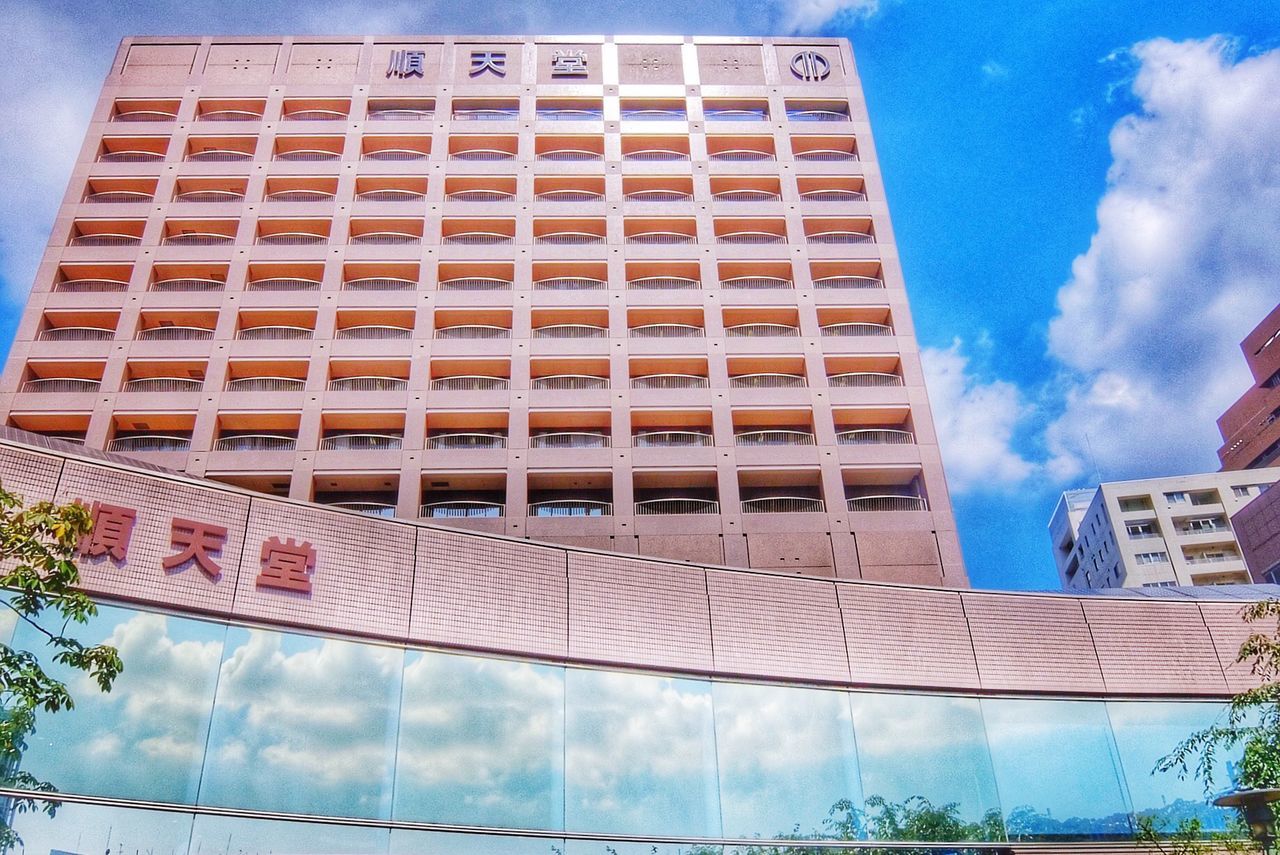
639 294
1250 427
1154 532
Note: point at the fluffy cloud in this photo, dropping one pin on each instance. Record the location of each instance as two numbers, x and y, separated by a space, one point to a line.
807 16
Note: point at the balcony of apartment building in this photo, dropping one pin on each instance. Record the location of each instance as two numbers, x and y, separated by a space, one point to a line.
201 233
398 148
255 441
838 231
385 232
400 109
570 331
294 231
816 110
270 332
473 378
62 377
163 438
660 330
164 379
740 149
886 489
373 494
179 331
468 282
766 377
223 148
192 278
655 148
472 332
762 329
774 435
569 148
357 382
267 483
1216 564
315 109
875 379
93 279
735 110
149 110
308 149
567 191
570 232
75 332
657 190
301 190
660 232
66 426
230 109
661 380
1203 530
1135 530
468 439
744 192
119 191
662 281
254 382
473 500
766 493
866 329
569 110
875 434
484 148
376 278
486 109
652 110
409 190
132 150
561 439
1179 501
672 437
478 232
360 440
676 501
226 191
846 280
824 193
755 280
373 330
106 233
284 277
484 189
570 502
824 149
750 231
569 381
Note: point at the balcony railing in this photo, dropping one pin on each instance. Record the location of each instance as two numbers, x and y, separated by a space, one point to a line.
669 381
472 331
856 328
482 196
817 116
1212 559
361 442
401 114
90 286
163 384
275 332
667 331
756 282
663 283
655 154
737 114
489 114
848 282
390 194
219 155
149 442
861 504
76 334
863 379
209 196
266 384
462 510
671 439
187 284
834 195
783 505
139 156
198 239
483 154
474 283
751 238
570 331
570 283
1215 529
574 382
315 116
469 383
565 114
393 154
369 509
661 238
570 196
478 239
144 116
300 196
175 333
767 381
370 332
61 384
658 196
773 437
292 239
677 506
105 239
571 508
654 115
761 331
569 439
229 116
384 239
256 442
118 197
740 154
283 283
570 154
308 155
379 283
466 441
839 236
875 436
568 239
368 384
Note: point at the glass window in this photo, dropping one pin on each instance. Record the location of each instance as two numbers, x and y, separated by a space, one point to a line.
303 725
639 755
927 752
90 828
238 836
785 756
146 738
1042 751
481 742
445 843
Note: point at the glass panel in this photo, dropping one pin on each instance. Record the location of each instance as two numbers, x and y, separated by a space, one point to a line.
481 742
303 725
596 847
1146 731
786 757
224 835
640 755
1056 767
146 738
444 843
90 828
927 753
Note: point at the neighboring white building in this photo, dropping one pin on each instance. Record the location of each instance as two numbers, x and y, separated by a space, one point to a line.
1154 532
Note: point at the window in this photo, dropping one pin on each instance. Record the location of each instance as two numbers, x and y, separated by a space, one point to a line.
1135 503
1203 524
1152 558
1141 529
1243 491
1176 498
1165 584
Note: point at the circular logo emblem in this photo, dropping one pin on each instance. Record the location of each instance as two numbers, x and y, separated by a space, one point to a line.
811 66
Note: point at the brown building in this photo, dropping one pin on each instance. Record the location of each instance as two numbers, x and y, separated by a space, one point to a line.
640 295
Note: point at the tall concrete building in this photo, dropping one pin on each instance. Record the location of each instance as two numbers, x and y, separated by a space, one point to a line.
633 294
1250 427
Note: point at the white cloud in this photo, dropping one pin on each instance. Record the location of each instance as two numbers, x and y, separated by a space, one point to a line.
807 16
976 421
993 70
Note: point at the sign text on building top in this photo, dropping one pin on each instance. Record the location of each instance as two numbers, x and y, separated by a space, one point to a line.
407 63
810 66
488 60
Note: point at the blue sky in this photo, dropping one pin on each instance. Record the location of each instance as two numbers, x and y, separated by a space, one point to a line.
1086 199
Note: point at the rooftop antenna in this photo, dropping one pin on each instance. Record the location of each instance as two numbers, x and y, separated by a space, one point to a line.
1093 461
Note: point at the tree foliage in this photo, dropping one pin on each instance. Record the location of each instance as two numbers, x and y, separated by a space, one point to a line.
39 577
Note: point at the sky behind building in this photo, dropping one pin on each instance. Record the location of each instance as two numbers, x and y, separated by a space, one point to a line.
1085 197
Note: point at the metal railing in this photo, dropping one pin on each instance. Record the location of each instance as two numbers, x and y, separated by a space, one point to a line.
773 437
834 195
198 239
188 284
839 237
90 286
163 384
61 384
677 506
848 282
310 115
858 328
266 384
825 154
482 154
472 331
390 194
767 380
667 331
229 116
256 442
570 283
140 156
283 283
761 331
569 196
370 332
1212 559
875 436
466 441
565 114
369 509
664 283
149 442
661 238
379 283
817 116
669 381
219 155
783 505
886 503
746 196
292 239
469 383
300 196
274 332
209 196
310 155
119 197
671 439
753 237
569 439
481 196
144 116
474 283
654 115
863 379
394 154
76 334
573 382
361 442
658 196
175 333
571 508
655 154
401 114
384 239
571 331
568 239
477 239
741 154
493 114
570 154
106 239
756 282
736 114
462 510
368 384
1215 529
